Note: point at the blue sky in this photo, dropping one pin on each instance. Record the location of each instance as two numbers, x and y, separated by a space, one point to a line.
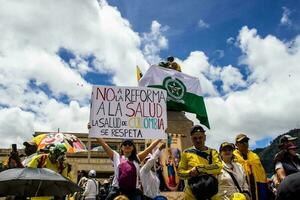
246 55
224 18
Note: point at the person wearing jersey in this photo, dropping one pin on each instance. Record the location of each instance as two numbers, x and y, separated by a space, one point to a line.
170 64
255 172
196 161
30 151
54 160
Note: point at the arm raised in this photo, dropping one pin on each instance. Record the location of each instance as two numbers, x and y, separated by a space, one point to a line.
142 155
106 148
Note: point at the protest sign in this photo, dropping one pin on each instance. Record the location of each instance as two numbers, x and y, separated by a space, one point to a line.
128 112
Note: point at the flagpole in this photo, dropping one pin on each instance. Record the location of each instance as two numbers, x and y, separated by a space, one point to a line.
89 149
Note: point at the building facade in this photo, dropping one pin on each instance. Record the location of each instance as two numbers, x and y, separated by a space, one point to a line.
178 130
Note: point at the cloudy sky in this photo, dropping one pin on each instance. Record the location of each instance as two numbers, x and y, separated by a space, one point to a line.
246 55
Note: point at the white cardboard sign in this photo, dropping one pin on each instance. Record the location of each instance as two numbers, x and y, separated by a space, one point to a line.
128 112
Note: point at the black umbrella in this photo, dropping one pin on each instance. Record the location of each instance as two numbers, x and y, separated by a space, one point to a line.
30 182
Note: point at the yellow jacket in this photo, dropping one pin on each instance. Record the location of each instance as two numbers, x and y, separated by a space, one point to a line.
189 160
252 166
63 170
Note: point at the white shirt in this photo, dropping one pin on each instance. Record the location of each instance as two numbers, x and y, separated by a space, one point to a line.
91 189
150 181
116 162
278 165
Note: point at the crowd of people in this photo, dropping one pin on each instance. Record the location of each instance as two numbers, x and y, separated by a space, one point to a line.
232 173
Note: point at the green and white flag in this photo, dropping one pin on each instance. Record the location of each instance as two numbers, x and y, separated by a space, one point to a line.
184 91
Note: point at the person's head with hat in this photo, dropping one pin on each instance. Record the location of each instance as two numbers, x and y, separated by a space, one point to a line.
287 142
198 137
30 147
226 151
242 143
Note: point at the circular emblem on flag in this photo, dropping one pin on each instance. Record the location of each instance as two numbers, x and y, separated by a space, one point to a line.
175 87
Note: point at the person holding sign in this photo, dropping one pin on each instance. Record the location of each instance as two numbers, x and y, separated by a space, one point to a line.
198 166
149 179
126 168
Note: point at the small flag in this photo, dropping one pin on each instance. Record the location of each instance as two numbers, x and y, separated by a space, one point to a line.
139 74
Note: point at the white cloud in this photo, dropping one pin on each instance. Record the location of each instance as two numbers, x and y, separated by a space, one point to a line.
18 125
197 65
202 24
154 42
285 20
14 121
230 40
219 53
232 78
32 33
269 106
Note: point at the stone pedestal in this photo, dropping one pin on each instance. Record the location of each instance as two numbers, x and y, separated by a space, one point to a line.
179 127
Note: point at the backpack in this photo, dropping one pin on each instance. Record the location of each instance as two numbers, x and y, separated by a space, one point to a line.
127 175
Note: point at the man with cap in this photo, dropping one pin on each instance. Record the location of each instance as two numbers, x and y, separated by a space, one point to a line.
171 64
286 160
30 151
256 175
54 160
197 163
286 140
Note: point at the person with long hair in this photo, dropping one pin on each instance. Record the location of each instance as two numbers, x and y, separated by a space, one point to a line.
232 180
128 153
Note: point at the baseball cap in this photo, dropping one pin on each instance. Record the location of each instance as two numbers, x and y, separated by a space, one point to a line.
226 144
241 137
286 138
197 128
29 143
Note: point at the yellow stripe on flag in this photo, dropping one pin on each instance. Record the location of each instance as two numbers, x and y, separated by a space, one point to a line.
138 73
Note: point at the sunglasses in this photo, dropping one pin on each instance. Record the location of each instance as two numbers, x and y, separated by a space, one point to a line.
127 143
197 138
244 141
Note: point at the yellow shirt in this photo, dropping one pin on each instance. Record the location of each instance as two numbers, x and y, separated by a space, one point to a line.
49 165
176 66
189 160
